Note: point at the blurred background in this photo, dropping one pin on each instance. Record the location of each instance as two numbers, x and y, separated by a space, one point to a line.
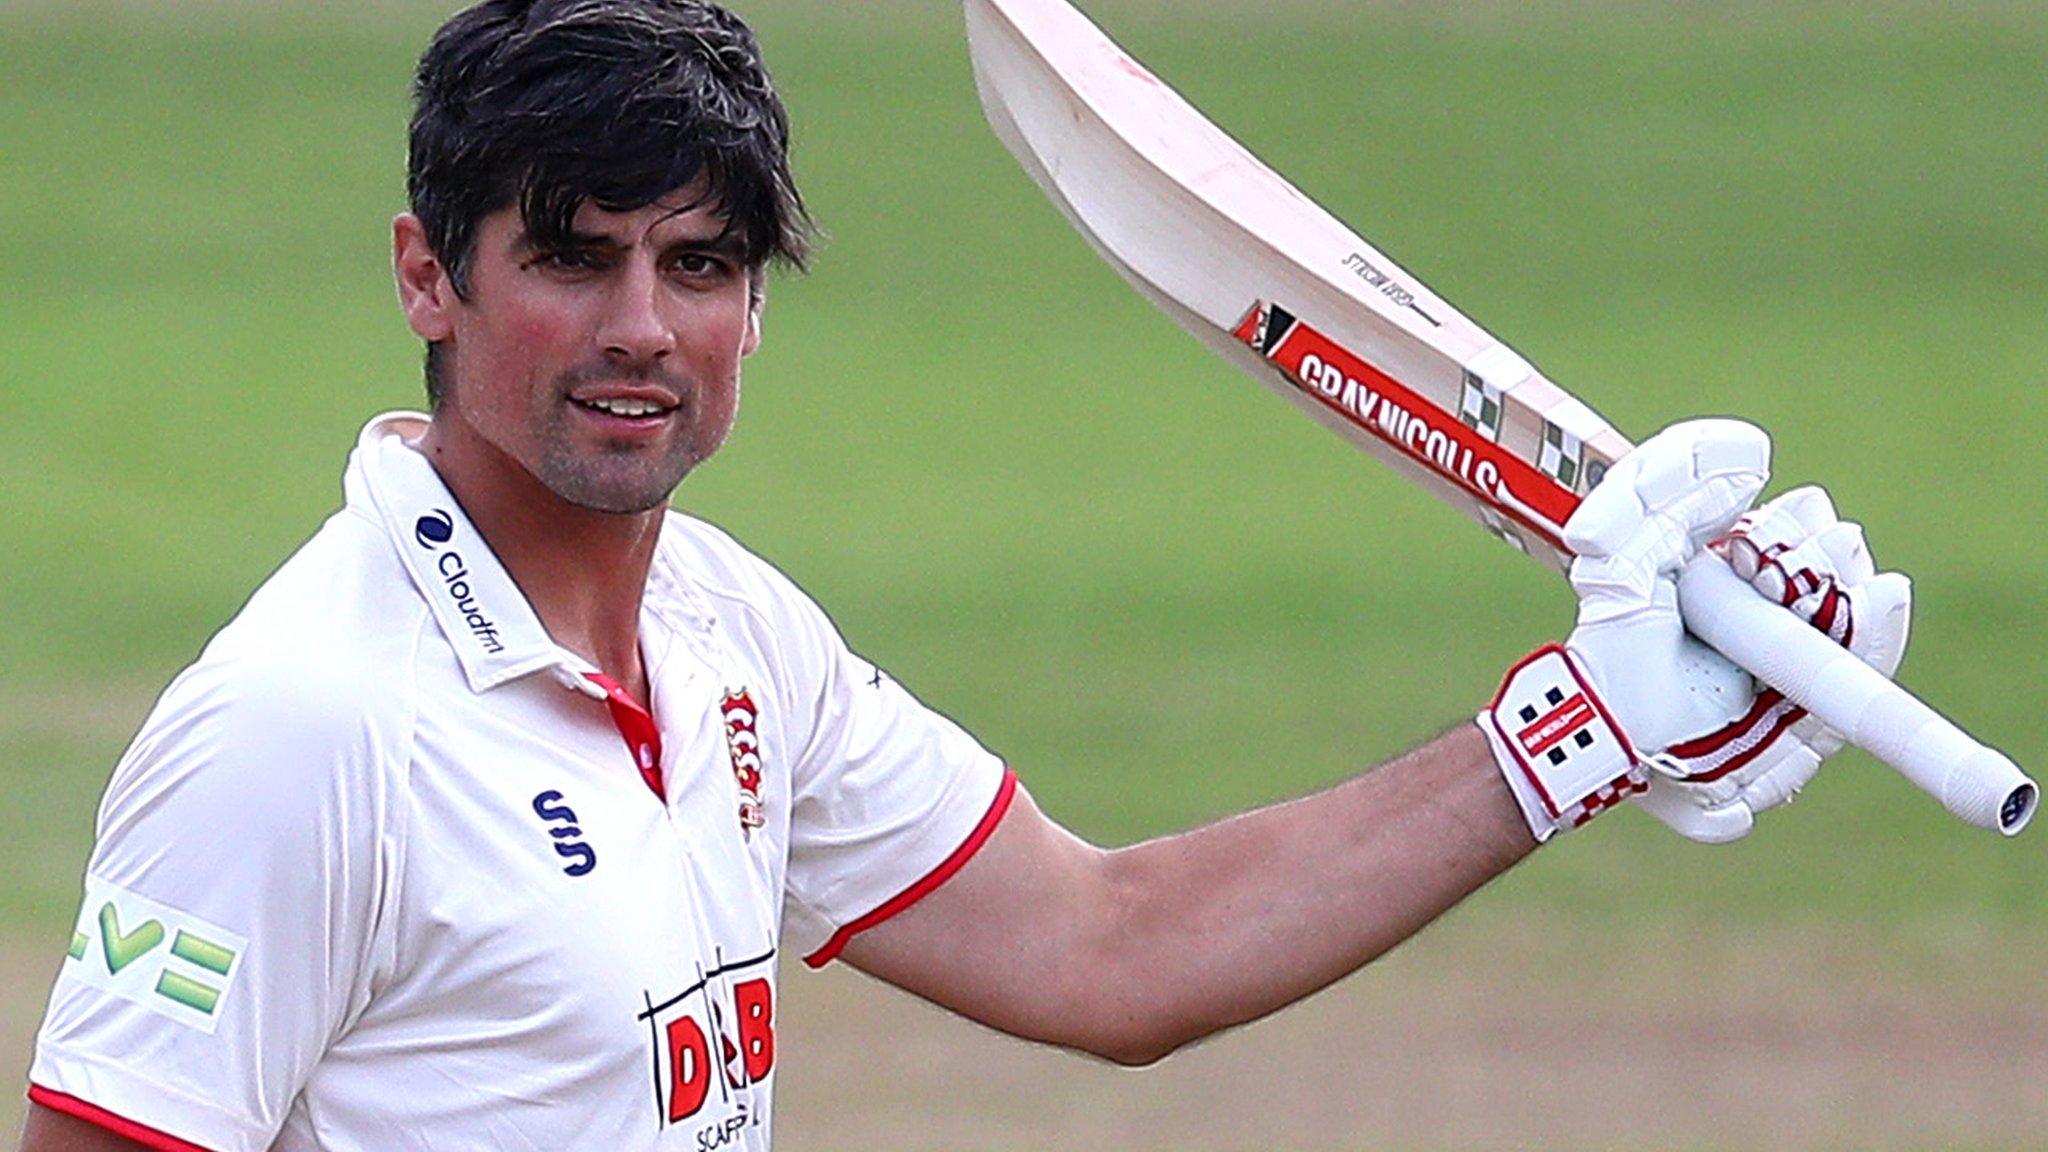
1158 591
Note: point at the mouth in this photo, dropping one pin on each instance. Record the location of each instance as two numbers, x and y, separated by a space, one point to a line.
625 408
634 416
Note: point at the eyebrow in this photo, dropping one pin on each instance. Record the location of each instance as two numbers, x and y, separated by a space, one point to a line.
526 242
730 243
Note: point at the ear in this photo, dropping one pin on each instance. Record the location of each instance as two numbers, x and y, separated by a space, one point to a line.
757 299
424 290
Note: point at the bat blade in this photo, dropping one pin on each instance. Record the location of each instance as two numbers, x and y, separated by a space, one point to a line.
1253 268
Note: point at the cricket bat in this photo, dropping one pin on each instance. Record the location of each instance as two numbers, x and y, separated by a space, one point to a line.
1249 265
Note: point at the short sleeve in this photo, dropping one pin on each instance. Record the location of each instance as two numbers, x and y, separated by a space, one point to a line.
228 932
890 798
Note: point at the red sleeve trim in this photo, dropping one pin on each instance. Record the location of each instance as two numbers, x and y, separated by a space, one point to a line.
923 888
119 1126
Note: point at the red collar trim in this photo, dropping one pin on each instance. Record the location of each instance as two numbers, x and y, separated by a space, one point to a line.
636 726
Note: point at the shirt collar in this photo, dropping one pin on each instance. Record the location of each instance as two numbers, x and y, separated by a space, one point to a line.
496 635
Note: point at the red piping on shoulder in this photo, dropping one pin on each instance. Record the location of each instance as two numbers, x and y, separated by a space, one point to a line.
120 1126
937 876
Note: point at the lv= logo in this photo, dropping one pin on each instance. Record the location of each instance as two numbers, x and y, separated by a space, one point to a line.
197 983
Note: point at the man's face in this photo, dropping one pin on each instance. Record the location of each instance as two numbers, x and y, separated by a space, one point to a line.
607 368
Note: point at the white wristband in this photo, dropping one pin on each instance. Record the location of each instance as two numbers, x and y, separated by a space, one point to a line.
1561 753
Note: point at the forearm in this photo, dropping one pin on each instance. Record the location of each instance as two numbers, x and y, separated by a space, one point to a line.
1132 953
1233 920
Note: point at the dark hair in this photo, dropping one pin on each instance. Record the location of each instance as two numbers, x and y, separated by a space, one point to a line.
547 104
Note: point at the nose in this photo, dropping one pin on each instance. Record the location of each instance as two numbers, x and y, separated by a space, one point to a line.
635 329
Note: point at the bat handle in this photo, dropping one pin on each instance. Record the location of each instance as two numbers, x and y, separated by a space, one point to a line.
1977 783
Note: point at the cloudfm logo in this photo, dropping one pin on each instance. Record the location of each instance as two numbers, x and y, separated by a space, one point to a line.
434 529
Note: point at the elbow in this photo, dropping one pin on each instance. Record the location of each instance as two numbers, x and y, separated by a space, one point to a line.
1136 1055
1113 1031
1138 1006
1132 1043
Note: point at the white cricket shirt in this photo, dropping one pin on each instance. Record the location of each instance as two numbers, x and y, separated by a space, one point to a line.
381 873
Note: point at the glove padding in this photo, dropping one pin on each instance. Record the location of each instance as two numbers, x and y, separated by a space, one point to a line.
1656 508
1651 685
1668 721
1796 551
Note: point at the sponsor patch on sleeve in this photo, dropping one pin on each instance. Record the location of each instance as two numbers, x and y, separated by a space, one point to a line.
170 962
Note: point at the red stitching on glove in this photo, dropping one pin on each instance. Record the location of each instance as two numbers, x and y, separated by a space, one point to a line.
1766 701
1703 746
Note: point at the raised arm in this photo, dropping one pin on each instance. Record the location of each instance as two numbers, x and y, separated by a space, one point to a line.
1132 953
1129 954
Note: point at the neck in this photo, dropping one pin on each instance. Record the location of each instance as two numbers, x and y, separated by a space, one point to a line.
584 572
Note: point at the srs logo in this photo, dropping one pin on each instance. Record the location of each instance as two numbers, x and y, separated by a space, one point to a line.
568 843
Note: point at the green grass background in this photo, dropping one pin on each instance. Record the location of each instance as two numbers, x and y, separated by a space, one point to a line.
1156 589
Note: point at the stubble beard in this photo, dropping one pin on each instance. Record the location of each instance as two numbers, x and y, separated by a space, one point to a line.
621 482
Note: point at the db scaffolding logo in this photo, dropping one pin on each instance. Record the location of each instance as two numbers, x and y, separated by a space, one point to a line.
712 1042
743 741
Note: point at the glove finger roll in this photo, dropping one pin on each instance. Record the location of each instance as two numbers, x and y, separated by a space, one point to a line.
1666 470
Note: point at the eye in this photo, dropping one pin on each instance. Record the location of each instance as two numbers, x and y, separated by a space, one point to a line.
568 260
700 266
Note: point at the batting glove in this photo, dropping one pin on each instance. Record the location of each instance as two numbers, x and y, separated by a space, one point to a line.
1574 727
1794 550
